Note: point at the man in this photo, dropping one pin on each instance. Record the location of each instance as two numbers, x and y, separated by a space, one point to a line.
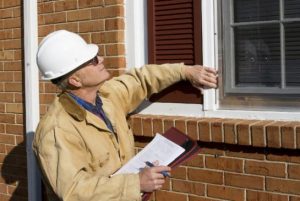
84 137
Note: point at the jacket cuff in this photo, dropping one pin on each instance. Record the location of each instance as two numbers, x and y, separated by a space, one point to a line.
132 189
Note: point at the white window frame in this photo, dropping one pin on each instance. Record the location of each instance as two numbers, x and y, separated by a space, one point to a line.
136 56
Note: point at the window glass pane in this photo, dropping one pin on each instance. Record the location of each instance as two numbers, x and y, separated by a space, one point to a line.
257 55
292 8
256 10
292 42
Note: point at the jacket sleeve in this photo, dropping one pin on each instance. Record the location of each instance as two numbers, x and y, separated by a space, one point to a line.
131 88
64 161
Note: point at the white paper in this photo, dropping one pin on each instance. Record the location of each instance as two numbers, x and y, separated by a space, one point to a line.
159 149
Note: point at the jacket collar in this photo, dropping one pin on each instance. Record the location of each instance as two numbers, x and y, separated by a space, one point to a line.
71 107
79 113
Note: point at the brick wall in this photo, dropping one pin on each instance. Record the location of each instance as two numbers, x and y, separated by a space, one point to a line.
12 147
240 159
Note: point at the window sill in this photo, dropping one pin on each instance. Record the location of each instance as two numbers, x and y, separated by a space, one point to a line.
196 110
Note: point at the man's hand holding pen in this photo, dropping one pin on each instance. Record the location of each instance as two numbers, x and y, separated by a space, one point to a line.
153 177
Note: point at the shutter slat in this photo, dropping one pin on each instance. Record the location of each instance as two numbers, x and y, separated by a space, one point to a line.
174 21
171 17
171 2
173 12
171 37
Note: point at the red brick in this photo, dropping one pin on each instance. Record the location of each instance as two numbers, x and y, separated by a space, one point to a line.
188 187
11 3
115 62
7 55
212 151
298 137
180 124
197 198
294 198
70 26
225 193
92 26
108 12
204 130
192 128
195 161
223 163
207 176
230 133
294 171
136 125
265 196
113 2
46 7
78 15
45 30
283 185
243 132
114 24
217 134
157 124
6 34
65 5
18 98
7 139
12 44
274 134
55 18
168 123
115 50
247 155
283 158
2 130
13 87
6 13
7 118
265 168
179 172
18 76
147 126
13 65
167 196
258 133
6 97
3 188
89 3
14 129
244 181
47 98
14 108
288 135
108 37
12 23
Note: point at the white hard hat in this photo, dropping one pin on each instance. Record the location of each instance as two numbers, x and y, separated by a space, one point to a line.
61 52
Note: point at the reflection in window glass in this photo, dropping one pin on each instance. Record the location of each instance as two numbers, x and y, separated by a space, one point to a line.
256 10
257 55
292 42
291 8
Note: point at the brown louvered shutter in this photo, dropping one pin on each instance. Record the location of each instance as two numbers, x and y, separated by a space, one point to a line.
174 35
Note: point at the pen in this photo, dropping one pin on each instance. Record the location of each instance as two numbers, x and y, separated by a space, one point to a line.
163 172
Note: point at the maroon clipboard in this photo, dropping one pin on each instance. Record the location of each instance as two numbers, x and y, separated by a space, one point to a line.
190 145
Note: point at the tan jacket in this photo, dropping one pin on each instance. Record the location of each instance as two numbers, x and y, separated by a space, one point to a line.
77 153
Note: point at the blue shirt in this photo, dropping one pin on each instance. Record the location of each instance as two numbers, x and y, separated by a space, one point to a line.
95 109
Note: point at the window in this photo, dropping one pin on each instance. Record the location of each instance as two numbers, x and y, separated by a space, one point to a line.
174 36
260 54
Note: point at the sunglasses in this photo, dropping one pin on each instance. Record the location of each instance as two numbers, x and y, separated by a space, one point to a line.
94 61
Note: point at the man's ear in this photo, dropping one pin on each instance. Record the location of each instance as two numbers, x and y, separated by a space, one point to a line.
75 81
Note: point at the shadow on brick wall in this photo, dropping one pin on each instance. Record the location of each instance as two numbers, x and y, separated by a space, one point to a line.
14 173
